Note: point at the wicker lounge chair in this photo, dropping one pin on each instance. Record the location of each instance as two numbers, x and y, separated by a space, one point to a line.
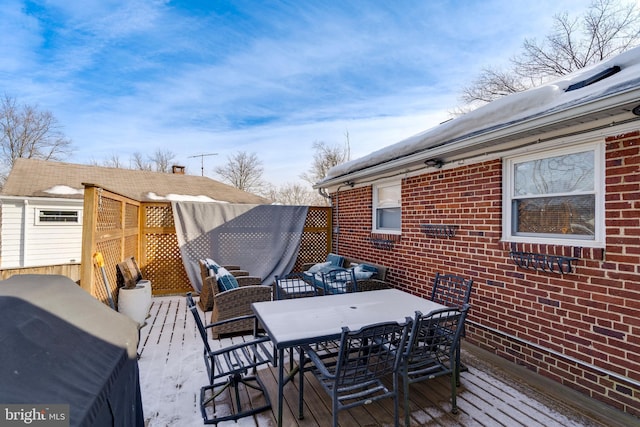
206 294
235 303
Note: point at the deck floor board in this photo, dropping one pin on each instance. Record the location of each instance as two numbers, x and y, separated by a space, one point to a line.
172 372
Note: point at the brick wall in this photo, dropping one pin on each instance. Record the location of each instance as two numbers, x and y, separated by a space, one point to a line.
581 329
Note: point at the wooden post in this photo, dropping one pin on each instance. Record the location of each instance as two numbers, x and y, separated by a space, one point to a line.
89 220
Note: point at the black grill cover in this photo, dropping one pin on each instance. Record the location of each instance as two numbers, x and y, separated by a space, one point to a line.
59 345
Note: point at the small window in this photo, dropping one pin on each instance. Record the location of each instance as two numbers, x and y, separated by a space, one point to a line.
46 216
555 197
386 208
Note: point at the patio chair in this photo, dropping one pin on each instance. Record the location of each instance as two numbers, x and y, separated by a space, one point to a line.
234 303
364 358
290 286
293 285
431 351
339 281
452 291
232 369
206 293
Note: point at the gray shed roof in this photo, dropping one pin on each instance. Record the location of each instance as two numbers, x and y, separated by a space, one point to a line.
40 178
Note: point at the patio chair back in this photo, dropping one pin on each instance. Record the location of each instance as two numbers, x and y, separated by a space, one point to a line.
364 358
431 350
227 368
451 290
293 285
339 281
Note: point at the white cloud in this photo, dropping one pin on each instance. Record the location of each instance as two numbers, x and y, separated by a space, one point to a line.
125 77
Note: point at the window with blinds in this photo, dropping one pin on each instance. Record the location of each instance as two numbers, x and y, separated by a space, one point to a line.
555 195
46 216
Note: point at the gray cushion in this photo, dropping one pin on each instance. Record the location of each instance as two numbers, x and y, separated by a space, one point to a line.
363 273
335 260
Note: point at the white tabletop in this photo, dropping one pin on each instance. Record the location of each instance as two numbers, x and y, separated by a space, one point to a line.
296 321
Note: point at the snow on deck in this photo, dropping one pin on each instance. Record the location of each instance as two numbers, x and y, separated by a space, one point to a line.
172 371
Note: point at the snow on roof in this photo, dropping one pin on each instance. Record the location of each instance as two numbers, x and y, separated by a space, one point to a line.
536 102
181 198
64 190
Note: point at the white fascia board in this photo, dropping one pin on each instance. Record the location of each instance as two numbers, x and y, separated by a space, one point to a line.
64 200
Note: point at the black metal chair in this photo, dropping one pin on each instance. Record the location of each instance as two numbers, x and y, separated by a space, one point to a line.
290 286
431 351
354 376
230 368
339 281
452 291
293 285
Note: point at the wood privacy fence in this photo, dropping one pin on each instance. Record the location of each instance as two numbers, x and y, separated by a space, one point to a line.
119 227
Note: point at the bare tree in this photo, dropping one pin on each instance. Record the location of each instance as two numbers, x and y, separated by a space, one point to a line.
294 194
114 162
243 171
607 28
162 160
140 163
325 157
29 132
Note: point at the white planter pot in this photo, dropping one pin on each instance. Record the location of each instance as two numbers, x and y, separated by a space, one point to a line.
134 303
147 286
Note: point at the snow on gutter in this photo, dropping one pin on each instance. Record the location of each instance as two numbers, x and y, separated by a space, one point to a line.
539 108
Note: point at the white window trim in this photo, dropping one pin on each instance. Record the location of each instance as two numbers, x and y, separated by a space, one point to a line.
374 228
599 176
56 223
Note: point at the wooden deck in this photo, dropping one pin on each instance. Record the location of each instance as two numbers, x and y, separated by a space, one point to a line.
172 372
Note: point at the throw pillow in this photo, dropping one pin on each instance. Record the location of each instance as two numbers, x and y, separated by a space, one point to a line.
317 267
212 266
367 267
226 280
361 273
335 259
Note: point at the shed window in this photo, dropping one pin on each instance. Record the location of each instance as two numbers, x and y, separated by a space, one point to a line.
46 216
386 208
555 196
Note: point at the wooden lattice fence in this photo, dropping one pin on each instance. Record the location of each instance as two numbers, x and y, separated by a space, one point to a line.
119 227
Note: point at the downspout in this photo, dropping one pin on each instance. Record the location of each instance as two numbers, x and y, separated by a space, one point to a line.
337 225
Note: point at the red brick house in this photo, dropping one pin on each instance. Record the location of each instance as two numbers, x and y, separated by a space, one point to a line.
536 197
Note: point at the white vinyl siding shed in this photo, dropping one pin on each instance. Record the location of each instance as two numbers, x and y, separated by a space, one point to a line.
28 242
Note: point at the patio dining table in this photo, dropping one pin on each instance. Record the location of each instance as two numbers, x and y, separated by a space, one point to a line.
293 322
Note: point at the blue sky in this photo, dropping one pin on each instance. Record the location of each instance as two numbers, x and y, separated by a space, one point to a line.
265 77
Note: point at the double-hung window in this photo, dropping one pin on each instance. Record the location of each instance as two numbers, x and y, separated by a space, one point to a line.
555 197
386 208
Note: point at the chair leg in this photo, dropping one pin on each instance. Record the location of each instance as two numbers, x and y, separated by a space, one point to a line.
233 382
457 365
334 408
454 403
405 389
301 384
396 400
